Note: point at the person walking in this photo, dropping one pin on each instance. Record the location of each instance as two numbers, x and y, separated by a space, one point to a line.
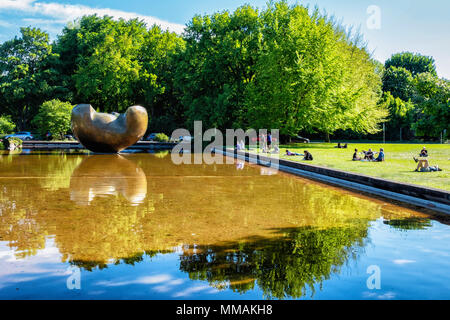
269 142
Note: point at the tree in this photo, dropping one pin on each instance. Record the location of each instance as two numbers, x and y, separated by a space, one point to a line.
26 77
54 118
414 63
312 76
159 55
6 125
217 64
418 100
109 78
114 64
401 115
399 82
433 105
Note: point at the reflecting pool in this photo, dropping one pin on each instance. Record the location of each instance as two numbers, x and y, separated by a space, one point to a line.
75 225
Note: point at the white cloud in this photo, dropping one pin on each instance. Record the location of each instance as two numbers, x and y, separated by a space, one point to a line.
5 24
385 296
403 261
195 289
15 4
63 13
143 280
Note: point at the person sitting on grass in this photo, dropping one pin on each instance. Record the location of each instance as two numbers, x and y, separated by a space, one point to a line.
380 156
240 145
423 152
355 156
288 153
307 156
368 155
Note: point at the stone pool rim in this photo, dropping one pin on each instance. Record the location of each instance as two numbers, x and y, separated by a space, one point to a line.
425 197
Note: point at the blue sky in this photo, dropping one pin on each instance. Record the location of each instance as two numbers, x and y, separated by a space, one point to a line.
416 26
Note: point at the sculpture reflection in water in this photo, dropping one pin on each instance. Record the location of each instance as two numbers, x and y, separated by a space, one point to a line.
106 175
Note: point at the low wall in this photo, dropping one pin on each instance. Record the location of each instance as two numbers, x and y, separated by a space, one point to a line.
432 198
144 145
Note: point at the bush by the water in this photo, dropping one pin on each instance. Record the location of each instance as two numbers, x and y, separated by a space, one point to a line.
10 142
161 137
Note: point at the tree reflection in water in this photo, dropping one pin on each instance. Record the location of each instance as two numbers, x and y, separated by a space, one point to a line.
281 267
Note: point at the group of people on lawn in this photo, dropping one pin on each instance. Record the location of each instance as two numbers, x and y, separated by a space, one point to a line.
422 162
369 155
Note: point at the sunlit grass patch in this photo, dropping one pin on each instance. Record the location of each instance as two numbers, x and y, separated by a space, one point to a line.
399 164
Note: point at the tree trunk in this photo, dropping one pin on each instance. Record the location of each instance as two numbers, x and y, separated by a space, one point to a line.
327 137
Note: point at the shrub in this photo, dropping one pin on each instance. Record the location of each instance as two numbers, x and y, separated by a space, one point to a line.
161 137
16 142
54 118
6 125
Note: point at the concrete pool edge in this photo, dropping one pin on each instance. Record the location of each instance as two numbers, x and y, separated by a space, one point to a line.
429 198
141 145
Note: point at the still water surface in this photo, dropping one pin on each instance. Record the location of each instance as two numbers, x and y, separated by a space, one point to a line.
137 226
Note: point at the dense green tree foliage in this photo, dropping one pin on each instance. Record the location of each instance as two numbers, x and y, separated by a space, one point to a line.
6 124
115 64
399 82
160 54
54 118
218 63
433 105
414 63
26 76
312 76
418 101
285 67
100 61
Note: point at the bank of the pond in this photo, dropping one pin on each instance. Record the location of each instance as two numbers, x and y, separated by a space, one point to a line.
430 198
399 165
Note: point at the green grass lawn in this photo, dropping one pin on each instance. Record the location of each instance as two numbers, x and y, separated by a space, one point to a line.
398 166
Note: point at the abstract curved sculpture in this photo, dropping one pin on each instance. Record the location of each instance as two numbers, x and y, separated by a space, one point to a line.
109 133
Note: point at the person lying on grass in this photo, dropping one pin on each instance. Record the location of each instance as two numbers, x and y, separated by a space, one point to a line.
306 155
288 153
341 147
424 166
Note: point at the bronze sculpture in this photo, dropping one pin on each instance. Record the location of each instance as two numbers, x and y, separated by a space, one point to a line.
108 133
